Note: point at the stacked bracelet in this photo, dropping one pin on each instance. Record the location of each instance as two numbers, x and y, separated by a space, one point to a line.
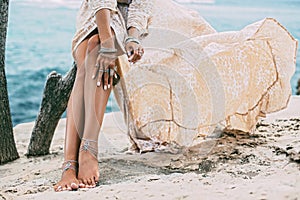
107 50
132 39
107 55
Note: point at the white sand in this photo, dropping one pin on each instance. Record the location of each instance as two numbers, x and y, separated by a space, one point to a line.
264 165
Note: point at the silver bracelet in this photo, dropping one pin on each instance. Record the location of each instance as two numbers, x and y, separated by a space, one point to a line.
108 55
107 50
132 39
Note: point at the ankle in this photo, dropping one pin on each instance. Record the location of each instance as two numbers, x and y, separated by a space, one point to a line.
70 165
90 146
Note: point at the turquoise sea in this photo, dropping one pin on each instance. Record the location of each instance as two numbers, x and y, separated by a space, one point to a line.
40 33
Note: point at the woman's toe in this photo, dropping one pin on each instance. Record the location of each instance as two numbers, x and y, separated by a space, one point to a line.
93 184
69 188
85 182
89 182
55 188
74 186
58 188
96 181
81 184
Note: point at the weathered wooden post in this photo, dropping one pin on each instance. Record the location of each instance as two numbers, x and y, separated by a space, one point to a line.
55 100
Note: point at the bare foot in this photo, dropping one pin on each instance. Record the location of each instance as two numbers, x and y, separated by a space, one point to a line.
88 169
68 181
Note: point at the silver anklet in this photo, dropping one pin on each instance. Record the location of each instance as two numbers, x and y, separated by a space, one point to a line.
68 165
87 147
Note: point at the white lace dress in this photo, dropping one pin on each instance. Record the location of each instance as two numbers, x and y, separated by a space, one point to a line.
192 78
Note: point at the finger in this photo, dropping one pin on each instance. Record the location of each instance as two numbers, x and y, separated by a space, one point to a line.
100 73
136 56
109 65
132 56
105 77
95 72
111 79
129 51
141 52
111 75
99 78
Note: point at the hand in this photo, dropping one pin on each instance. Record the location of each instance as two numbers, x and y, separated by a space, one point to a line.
134 51
105 70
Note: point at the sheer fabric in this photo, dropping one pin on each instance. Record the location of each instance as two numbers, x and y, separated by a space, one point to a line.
192 78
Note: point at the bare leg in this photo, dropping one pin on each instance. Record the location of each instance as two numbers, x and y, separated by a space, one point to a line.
95 100
75 122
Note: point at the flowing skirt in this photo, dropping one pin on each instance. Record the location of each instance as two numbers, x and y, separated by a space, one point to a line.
192 78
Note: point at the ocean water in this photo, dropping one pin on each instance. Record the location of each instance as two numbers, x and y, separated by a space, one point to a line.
40 33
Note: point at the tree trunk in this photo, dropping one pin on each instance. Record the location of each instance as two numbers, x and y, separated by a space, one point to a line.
55 99
8 150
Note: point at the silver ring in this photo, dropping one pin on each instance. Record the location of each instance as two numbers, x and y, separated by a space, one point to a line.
97 65
59 187
103 70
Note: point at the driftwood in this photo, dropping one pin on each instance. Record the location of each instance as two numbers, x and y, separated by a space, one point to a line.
8 150
55 99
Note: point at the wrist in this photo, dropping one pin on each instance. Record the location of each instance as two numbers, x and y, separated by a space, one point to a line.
133 32
107 41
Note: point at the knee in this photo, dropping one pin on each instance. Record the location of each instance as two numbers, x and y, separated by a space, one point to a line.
93 43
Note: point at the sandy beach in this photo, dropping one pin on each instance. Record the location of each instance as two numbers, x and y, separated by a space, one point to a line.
261 165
